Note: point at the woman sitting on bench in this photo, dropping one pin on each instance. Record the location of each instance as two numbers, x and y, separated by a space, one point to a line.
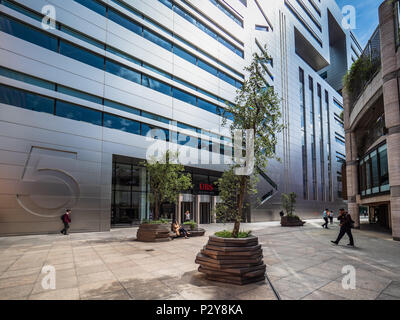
179 230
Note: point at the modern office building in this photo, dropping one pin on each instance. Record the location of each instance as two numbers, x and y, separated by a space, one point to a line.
80 92
372 125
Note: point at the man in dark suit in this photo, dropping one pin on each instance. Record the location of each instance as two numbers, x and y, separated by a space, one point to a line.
346 223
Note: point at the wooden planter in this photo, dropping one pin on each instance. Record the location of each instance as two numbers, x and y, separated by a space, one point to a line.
287 221
198 232
148 232
229 260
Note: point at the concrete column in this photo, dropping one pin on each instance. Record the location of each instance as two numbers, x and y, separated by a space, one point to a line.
213 208
390 75
351 164
178 209
197 208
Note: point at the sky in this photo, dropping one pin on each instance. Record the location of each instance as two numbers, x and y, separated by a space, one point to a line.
366 17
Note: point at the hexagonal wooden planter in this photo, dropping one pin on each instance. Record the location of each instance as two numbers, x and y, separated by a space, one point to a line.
148 232
231 260
291 222
196 232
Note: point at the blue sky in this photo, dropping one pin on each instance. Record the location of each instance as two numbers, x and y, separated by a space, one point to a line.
366 17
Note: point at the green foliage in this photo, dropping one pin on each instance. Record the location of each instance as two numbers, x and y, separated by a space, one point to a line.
288 203
191 223
167 179
229 191
256 107
228 234
359 74
160 221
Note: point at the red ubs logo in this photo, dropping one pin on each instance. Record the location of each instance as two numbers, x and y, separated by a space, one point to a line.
206 187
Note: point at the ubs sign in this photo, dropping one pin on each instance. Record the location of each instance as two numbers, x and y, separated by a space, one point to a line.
206 187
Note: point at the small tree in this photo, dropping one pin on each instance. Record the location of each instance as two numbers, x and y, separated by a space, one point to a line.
167 179
257 107
288 203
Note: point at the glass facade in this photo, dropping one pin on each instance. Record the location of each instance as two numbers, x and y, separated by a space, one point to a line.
303 134
313 141
321 187
328 147
373 172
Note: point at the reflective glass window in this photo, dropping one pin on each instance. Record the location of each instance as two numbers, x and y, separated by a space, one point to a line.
207 67
185 55
27 33
154 132
151 36
26 78
121 107
79 94
203 104
123 124
124 22
93 5
154 117
26 100
157 85
72 111
122 71
184 96
81 55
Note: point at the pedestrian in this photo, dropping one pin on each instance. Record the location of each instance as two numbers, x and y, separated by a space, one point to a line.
346 223
325 215
187 215
66 219
331 215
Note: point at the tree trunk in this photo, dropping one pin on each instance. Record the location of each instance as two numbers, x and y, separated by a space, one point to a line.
242 191
156 207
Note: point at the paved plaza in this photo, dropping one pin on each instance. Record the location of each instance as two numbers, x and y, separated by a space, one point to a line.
301 264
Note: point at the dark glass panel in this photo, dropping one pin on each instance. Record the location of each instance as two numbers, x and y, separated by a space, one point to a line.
71 111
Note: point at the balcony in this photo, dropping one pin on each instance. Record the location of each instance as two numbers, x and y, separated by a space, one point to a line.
363 72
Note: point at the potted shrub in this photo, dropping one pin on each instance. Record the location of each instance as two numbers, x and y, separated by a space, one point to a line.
167 178
236 256
288 204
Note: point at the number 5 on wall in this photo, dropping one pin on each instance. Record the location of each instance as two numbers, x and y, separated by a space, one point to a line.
47 185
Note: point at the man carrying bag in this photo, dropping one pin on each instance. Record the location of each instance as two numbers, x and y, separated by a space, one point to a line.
346 224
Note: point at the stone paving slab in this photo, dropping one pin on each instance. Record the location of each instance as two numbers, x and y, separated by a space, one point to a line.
301 264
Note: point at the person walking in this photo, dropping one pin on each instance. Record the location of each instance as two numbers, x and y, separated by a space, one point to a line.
331 215
66 219
325 215
346 223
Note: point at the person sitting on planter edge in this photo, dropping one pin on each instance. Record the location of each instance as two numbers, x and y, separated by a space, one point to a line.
179 230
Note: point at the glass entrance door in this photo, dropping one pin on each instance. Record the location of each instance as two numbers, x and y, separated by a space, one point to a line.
205 211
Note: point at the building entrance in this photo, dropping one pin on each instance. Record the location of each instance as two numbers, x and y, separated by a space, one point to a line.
205 212
380 215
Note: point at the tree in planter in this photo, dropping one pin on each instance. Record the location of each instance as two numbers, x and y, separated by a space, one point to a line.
257 107
288 203
167 179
